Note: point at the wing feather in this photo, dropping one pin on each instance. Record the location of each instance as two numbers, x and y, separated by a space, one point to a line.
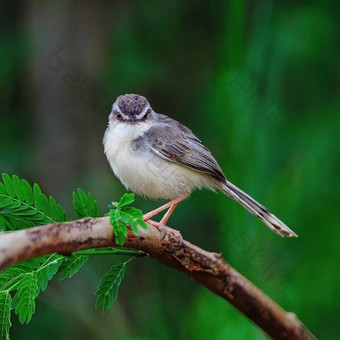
173 141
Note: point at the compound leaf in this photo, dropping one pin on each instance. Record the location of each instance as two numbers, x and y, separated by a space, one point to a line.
109 284
5 314
72 265
26 294
84 204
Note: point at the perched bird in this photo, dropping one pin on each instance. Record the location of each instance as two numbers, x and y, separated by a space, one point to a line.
158 157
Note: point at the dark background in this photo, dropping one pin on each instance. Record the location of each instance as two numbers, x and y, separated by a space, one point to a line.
257 81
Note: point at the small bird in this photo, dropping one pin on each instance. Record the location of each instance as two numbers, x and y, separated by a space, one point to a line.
157 157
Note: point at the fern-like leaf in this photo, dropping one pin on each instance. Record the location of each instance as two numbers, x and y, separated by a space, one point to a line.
22 206
72 265
10 277
84 205
48 269
126 199
5 314
26 294
107 290
122 215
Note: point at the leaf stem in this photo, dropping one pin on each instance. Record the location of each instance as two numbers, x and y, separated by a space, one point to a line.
111 252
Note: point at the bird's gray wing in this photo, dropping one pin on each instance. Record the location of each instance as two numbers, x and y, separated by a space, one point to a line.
174 142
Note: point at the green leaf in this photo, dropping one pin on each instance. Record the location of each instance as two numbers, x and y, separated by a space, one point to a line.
120 232
107 290
29 198
26 294
27 279
48 269
72 265
37 196
143 224
8 185
5 314
84 205
11 276
123 215
20 193
134 212
126 199
24 207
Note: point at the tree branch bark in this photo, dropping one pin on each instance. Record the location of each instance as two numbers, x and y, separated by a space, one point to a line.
207 268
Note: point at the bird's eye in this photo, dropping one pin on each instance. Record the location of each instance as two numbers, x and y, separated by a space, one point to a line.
119 116
146 115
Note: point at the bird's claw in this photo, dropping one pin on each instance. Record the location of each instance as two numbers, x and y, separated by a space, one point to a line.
165 229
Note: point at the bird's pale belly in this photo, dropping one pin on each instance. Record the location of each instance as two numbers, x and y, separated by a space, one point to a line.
149 175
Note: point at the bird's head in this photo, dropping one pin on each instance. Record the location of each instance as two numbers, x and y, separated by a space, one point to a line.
131 109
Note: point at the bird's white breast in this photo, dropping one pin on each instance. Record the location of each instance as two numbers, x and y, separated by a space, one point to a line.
142 170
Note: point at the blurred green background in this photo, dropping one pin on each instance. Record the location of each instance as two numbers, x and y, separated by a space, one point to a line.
257 81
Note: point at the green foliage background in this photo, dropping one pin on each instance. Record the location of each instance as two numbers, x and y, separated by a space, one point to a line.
258 82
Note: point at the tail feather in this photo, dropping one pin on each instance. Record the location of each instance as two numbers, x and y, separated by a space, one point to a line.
257 209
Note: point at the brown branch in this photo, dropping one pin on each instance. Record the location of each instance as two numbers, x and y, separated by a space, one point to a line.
205 267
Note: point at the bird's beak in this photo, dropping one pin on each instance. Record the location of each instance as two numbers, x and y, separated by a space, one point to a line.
132 119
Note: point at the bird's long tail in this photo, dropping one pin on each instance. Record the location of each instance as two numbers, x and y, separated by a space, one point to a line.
257 209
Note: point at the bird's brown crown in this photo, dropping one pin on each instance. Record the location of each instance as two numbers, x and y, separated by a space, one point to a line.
131 104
